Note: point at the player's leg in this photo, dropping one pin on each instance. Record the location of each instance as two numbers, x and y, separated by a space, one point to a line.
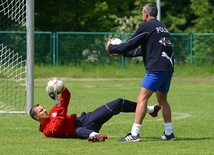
105 112
90 123
90 132
142 100
150 84
166 110
134 135
82 132
102 114
166 113
161 95
93 121
92 136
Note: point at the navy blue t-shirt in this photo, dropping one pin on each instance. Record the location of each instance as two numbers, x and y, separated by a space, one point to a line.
153 38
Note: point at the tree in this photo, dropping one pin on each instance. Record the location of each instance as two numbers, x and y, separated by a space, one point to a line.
176 15
203 10
79 15
110 15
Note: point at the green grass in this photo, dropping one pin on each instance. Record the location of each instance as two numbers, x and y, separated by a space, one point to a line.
191 98
112 71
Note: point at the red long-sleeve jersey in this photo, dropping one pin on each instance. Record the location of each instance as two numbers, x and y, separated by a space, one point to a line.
59 124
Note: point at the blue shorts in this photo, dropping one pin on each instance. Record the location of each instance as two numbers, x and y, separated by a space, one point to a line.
157 81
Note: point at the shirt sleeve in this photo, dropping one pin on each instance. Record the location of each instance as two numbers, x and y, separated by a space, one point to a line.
58 115
134 42
65 98
134 53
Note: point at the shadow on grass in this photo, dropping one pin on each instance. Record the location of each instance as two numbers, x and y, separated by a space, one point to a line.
195 139
179 138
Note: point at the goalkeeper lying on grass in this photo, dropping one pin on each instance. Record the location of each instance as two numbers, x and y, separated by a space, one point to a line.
58 124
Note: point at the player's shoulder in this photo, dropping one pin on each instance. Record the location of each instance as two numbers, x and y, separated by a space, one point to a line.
149 25
155 23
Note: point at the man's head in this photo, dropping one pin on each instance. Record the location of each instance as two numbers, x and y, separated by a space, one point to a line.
38 113
149 11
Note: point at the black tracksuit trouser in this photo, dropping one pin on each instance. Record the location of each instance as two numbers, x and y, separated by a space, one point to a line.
93 121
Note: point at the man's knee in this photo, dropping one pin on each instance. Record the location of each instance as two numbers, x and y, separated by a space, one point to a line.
115 106
119 100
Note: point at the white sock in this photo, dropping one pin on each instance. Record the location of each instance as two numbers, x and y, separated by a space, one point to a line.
136 129
168 128
150 109
94 134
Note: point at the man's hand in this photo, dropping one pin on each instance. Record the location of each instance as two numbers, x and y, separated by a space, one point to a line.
106 47
113 41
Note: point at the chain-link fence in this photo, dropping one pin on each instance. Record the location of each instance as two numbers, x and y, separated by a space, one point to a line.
76 48
203 49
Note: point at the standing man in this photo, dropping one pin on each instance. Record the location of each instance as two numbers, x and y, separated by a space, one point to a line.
153 38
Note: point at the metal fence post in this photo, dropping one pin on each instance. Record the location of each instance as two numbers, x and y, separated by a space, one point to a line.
191 48
122 57
53 49
194 48
56 49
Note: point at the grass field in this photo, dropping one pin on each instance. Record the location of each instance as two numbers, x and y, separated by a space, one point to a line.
191 100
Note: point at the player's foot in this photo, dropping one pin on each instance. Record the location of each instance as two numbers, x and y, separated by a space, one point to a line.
97 138
167 137
130 138
156 110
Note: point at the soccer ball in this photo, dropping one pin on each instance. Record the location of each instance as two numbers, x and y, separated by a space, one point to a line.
115 41
55 85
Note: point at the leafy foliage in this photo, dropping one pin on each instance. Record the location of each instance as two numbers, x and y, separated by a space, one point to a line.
110 15
204 50
203 10
176 15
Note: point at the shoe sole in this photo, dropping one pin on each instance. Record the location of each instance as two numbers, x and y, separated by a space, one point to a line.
95 139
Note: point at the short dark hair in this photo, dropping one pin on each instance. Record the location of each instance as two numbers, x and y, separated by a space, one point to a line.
32 111
151 9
